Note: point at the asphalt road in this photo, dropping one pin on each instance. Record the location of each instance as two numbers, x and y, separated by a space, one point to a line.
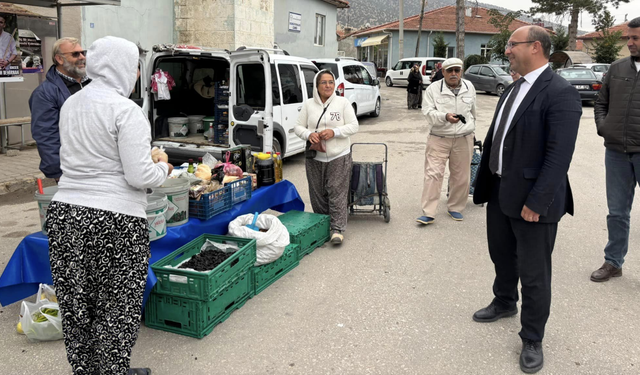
395 298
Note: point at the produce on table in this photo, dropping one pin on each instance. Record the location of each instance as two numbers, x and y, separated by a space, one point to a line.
206 260
39 317
203 172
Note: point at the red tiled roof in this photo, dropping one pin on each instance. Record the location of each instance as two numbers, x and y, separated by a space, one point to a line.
597 34
338 3
444 19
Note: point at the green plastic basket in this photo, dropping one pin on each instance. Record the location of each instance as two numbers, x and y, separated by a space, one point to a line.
306 229
267 274
202 285
195 318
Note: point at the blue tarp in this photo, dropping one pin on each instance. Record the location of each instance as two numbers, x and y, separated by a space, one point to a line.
29 264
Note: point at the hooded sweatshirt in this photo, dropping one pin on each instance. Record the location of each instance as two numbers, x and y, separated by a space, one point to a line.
105 138
339 116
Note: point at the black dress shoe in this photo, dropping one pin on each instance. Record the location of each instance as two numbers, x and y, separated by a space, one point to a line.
531 358
492 313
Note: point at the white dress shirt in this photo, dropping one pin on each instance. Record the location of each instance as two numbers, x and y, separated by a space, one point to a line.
7 46
525 86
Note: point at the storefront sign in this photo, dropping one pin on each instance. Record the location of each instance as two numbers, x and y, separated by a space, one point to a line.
358 41
10 63
295 22
31 48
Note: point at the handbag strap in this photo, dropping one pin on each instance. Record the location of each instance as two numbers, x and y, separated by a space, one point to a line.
320 118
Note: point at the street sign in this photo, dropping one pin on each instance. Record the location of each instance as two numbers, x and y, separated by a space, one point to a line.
295 22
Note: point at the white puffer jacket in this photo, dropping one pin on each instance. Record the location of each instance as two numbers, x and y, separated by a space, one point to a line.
438 100
339 116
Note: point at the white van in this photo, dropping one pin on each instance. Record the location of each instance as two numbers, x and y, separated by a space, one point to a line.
398 75
354 82
266 91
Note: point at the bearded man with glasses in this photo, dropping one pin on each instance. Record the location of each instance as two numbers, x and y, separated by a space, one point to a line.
66 77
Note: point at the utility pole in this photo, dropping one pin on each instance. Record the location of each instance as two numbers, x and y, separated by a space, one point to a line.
401 37
424 2
460 13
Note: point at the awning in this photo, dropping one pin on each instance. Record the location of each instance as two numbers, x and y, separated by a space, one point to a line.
374 41
569 58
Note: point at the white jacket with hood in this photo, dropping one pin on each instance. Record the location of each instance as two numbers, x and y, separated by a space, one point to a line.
105 138
339 116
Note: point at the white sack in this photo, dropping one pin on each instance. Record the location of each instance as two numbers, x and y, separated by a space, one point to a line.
270 244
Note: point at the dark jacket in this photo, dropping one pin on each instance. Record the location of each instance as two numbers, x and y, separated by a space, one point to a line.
45 103
537 151
438 76
617 109
414 82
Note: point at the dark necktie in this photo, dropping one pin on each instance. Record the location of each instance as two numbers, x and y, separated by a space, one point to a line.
494 160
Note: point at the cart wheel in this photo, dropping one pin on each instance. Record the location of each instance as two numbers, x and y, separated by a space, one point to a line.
387 214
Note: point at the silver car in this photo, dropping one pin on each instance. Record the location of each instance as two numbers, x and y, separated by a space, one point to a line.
489 78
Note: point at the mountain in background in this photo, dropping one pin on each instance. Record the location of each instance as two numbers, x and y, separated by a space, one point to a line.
363 13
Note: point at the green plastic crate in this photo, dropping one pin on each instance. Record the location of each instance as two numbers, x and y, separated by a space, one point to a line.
195 318
267 274
306 229
202 286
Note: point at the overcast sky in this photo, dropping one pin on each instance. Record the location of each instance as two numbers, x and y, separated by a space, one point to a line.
632 9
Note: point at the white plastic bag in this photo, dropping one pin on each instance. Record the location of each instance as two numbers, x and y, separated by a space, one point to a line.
270 244
48 330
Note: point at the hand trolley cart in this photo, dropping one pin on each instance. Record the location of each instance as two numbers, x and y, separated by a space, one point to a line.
368 189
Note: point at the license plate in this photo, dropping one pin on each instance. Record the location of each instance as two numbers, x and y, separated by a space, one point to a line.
582 87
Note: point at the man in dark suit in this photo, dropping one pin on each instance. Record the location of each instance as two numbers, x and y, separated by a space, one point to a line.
523 177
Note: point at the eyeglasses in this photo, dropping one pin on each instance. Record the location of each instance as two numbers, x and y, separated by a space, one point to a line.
451 70
510 45
330 83
75 54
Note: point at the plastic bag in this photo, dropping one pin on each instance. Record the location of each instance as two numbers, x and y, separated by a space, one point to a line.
41 321
270 244
46 292
209 160
231 169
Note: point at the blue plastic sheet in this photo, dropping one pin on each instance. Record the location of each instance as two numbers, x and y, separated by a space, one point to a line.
29 264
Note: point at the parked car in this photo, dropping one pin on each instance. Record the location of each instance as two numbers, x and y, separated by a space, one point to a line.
371 67
584 80
266 89
354 82
600 70
489 78
399 73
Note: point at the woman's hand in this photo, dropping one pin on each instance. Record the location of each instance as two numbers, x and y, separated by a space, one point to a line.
327 134
314 137
170 168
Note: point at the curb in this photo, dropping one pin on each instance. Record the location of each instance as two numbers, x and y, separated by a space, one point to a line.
28 183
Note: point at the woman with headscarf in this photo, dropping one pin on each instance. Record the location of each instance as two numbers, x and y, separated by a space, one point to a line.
327 121
97 223
414 88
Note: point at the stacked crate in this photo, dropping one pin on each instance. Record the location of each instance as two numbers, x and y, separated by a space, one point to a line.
192 303
221 115
307 229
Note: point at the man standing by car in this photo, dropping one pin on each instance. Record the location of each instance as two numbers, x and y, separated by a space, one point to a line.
617 117
66 77
450 108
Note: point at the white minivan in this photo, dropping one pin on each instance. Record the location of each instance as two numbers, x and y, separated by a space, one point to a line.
398 75
266 89
354 82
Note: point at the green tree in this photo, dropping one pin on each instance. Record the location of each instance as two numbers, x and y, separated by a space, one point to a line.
498 42
607 47
573 8
559 42
475 60
439 46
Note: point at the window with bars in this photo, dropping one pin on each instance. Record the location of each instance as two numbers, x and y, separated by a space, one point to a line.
485 51
320 26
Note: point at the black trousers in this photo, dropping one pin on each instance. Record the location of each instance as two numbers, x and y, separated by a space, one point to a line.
521 250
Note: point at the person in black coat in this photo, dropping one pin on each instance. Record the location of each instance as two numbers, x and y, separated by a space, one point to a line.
414 88
523 177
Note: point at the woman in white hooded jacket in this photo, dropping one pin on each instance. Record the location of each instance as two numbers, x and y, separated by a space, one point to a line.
328 121
97 223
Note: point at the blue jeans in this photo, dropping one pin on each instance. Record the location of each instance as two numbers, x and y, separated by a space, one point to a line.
623 172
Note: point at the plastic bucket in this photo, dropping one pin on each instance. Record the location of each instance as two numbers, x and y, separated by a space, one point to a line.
156 209
195 124
177 191
208 123
178 126
43 204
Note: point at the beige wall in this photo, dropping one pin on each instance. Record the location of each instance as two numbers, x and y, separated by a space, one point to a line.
225 24
588 47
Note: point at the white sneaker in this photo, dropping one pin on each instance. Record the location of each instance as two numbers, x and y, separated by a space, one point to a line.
336 238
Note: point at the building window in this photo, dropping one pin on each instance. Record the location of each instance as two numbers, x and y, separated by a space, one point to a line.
451 52
319 39
485 51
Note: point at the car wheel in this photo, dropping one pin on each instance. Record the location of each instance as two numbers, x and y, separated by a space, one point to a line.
500 90
277 147
388 82
376 111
